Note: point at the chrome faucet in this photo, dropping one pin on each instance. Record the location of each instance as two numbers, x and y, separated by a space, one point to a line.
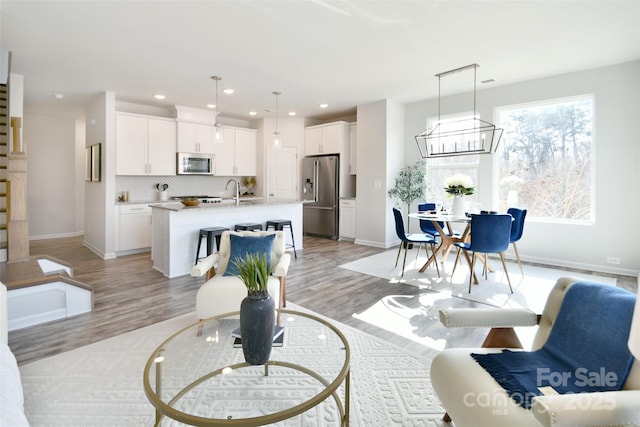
226 187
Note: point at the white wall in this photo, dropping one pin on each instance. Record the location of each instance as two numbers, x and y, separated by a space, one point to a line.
616 134
99 201
372 225
52 196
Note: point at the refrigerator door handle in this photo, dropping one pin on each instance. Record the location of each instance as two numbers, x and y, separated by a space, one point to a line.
316 179
323 208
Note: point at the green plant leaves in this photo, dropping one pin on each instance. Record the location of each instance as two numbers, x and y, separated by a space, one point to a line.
254 271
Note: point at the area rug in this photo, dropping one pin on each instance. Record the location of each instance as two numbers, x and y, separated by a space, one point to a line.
101 384
529 291
416 317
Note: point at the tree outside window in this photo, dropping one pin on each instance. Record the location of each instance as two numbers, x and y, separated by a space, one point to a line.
546 160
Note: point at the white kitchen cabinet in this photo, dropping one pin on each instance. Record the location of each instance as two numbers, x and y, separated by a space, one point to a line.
145 145
332 138
329 138
134 227
353 139
237 154
347 214
195 138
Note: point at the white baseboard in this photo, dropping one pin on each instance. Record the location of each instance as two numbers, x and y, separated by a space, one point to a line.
56 236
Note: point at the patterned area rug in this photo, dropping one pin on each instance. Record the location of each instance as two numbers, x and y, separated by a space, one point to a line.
101 384
415 317
529 291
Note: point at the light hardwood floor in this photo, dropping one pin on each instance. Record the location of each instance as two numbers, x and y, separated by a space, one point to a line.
129 294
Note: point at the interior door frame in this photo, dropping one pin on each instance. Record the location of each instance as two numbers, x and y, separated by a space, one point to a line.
271 170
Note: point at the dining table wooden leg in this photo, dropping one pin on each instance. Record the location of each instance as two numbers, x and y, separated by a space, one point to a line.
432 258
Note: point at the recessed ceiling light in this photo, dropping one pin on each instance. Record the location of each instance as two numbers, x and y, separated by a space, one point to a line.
252 113
292 113
228 91
159 96
211 106
324 105
58 96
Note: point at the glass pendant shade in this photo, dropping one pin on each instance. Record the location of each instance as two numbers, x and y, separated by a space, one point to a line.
277 140
219 135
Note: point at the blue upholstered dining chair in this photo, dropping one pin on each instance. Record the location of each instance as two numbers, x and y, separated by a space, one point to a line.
416 238
490 233
517 227
427 226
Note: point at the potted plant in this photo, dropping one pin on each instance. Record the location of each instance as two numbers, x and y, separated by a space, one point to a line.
410 185
257 318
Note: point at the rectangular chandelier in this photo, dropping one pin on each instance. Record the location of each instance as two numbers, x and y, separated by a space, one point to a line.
459 137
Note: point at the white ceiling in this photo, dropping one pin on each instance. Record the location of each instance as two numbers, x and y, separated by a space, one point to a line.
343 53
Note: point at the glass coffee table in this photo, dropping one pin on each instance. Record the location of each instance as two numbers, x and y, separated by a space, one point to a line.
198 377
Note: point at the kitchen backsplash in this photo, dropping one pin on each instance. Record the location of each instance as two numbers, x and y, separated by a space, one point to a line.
143 188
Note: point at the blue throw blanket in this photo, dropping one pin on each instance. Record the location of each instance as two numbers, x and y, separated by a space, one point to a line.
586 350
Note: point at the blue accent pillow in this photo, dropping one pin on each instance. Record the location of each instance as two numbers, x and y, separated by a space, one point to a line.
243 245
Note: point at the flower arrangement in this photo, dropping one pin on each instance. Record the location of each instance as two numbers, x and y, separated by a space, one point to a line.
459 185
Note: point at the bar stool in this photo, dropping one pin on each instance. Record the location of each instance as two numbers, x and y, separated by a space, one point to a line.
280 224
248 226
209 233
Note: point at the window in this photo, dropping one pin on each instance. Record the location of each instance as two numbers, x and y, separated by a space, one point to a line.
546 160
441 168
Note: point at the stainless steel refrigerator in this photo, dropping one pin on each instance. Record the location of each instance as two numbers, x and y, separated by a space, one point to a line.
320 175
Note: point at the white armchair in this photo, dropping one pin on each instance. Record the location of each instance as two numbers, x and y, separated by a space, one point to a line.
223 294
472 397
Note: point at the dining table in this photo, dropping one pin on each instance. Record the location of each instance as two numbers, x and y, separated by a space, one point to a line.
448 237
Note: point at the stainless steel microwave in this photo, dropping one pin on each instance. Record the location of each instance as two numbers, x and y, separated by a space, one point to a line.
195 164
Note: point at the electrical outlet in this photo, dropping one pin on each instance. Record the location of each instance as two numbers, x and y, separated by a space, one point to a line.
613 260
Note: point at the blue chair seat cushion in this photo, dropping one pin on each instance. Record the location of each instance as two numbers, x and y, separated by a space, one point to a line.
420 238
243 245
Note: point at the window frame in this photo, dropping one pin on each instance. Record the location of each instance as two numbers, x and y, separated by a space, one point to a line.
592 179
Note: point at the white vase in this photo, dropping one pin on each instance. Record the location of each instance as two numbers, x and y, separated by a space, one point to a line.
458 207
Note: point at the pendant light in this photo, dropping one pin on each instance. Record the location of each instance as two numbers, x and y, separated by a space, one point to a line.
216 123
459 137
276 135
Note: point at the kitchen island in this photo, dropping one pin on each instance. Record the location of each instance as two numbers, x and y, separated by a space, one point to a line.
175 228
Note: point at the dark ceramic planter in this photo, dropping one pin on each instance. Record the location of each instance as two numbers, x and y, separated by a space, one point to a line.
256 327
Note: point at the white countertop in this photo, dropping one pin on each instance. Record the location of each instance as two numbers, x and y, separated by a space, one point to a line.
225 204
